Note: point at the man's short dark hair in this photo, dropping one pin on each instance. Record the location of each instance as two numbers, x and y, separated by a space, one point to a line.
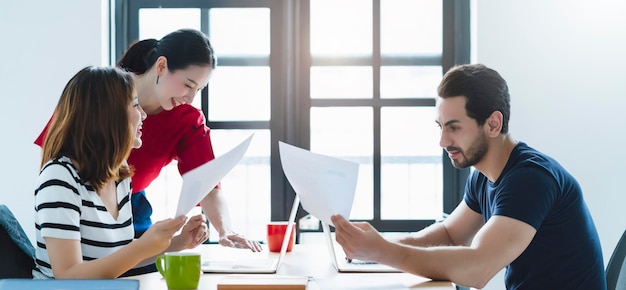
483 88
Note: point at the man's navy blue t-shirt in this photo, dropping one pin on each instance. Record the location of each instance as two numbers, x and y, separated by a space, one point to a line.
533 188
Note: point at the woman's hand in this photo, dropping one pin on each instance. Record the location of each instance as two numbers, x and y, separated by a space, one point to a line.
159 236
194 233
234 240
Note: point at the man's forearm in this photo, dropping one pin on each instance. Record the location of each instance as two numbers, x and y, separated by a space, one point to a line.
433 235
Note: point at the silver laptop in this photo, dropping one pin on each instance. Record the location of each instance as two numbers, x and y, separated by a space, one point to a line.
264 265
338 259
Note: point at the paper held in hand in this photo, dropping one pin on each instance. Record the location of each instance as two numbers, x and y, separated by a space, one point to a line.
325 184
198 182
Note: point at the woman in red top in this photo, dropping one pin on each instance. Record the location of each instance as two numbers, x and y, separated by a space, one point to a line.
168 73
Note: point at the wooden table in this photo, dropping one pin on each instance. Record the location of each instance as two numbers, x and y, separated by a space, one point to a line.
310 260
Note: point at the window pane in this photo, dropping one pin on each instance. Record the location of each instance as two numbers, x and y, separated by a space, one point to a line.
341 82
246 187
231 100
152 22
411 172
410 27
164 191
240 31
341 27
347 133
409 81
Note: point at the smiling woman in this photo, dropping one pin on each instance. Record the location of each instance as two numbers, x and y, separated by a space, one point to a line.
169 73
248 184
83 214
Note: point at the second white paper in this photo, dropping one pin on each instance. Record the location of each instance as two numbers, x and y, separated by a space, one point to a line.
325 185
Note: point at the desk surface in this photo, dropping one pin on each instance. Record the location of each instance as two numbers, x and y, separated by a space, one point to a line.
306 260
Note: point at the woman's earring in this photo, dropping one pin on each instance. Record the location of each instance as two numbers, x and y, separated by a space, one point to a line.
157 82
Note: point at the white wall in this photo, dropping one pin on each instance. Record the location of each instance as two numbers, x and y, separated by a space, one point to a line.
565 63
42 45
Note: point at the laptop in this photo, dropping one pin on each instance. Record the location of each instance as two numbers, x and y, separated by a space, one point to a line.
338 259
265 265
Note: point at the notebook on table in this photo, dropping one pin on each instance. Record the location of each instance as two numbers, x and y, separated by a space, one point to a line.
262 282
265 265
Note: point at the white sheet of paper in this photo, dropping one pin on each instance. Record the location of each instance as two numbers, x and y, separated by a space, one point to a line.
198 182
325 185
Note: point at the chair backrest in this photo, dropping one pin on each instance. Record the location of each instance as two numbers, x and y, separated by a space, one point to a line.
616 269
16 250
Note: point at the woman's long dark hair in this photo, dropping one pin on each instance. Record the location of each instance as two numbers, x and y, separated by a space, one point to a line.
182 48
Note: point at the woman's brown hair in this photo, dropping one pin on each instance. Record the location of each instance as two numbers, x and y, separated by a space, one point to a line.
91 125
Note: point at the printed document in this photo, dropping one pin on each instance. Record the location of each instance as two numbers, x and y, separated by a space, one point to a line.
325 185
198 182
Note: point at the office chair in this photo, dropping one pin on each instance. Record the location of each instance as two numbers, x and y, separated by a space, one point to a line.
16 250
616 269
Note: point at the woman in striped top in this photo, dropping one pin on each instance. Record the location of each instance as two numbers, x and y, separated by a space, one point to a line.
82 199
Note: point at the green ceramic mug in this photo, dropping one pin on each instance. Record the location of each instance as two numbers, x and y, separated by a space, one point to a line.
181 270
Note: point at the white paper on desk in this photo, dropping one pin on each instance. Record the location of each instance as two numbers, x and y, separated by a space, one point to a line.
198 182
325 184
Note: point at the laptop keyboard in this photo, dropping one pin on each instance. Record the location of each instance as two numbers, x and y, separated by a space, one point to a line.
361 262
248 264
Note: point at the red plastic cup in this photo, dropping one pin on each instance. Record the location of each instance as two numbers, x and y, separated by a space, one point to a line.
276 234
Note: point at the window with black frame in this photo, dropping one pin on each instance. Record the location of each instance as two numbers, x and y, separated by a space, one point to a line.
354 79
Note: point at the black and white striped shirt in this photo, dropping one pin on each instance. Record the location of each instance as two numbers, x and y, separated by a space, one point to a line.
68 208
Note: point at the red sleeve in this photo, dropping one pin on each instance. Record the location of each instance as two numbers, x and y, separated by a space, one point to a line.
42 135
195 148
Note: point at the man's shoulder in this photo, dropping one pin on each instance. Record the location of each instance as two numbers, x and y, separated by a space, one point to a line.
524 155
521 148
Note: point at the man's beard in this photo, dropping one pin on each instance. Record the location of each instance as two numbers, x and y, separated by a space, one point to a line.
473 154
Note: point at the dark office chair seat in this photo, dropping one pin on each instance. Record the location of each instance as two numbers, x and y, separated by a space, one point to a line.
15 248
616 269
